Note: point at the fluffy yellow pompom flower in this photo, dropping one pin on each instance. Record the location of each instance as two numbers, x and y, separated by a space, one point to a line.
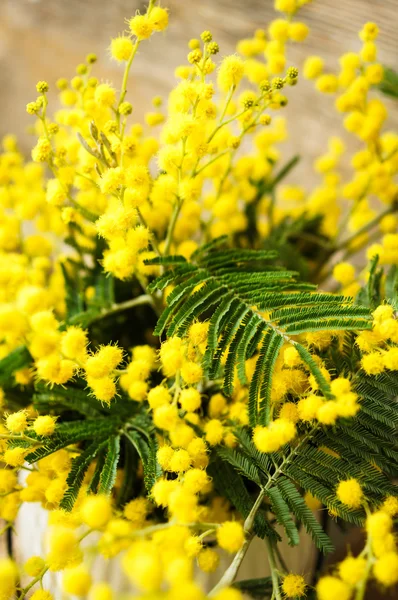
76 581
198 333
110 181
64 549
162 491
289 412
378 525
165 417
196 480
369 32
344 273
191 372
180 461
386 569
158 396
34 565
101 591
136 510
286 6
229 594
331 588
103 362
74 342
327 83
141 27
230 536
17 422
313 67
96 511
121 48
143 566
230 72
279 30
44 425
158 18
214 431
103 388
8 578
273 437
42 151
352 569
105 95
294 586
14 456
42 595
8 480
350 493
190 399
208 560
291 357
328 412
373 363
390 506
298 32
171 355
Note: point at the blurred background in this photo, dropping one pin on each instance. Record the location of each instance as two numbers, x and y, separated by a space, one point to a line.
46 39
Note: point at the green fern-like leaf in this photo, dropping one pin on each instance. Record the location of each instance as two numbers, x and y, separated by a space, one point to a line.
108 473
252 305
17 359
79 468
241 463
304 515
146 448
259 589
282 512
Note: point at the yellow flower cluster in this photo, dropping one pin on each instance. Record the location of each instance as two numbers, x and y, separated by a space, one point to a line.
109 202
378 354
379 557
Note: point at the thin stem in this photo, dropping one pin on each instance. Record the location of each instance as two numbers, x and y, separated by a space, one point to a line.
172 224
153 239
346 243
209 163
227 102
231 572
319 273
26 589
123 90
271 208
281 559
360 594
139 301
274 570
25 438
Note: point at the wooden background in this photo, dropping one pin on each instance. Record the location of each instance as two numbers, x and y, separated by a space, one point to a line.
46 39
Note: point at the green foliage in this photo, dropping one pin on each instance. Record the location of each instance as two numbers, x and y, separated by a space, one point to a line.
251 303
389 84
371 294
146 447
109 470
79 468
230 485
283 516
15 360
364 448
259 589
97 429
304 515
